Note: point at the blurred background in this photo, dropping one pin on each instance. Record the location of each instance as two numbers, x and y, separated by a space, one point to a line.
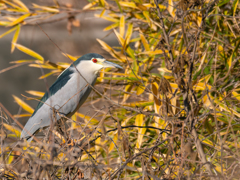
80 41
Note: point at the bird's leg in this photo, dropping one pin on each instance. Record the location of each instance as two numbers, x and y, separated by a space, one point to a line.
61 129
59 123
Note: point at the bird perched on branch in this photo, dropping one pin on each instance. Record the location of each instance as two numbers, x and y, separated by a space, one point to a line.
67 94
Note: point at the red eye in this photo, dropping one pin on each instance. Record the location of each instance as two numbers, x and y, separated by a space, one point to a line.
94 60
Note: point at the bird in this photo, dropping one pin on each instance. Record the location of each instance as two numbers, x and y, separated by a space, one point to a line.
67 93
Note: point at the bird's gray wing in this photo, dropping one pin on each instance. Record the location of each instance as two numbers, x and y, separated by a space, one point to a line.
41 117
66 95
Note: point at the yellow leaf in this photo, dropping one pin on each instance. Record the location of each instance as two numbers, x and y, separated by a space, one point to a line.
206 102
20 19
59 135
236 95
21 115
74 124
15 37
97 144
139 103
141 131
199 20
45 66
202 60
144 41
128 34
11 4
128 89
101 75
224 107
176 105
157 102
231 57
207 141
232 144
29 52
129 75
93 121
108 18
206 78
219 168
201 86
73 58
174 85
88 6
175 32
135 67
138 16
102 13
115 138
161 6
11 158
230 61
152 52
140 89
165 70
111 26
107 48
24 105
220 48
142 7
168 77
127 4
11 18
49 74
15 130
23 61
22 5
148 5
235 8
9 31
63 65
49 9
122 26
146 15
159 123
102 2
4 23
171 8
119 36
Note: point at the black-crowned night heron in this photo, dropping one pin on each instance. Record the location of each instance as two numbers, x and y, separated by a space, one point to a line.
67 94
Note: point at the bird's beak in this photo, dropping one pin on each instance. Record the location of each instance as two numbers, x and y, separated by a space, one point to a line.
110 64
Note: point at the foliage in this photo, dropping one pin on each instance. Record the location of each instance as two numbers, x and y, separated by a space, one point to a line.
174 109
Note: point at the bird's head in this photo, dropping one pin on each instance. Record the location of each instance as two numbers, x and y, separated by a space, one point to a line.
94 62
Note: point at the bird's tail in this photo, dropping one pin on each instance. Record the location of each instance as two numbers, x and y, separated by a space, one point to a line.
28 131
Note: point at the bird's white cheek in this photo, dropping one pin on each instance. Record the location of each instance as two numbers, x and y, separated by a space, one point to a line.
96 68
87 67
